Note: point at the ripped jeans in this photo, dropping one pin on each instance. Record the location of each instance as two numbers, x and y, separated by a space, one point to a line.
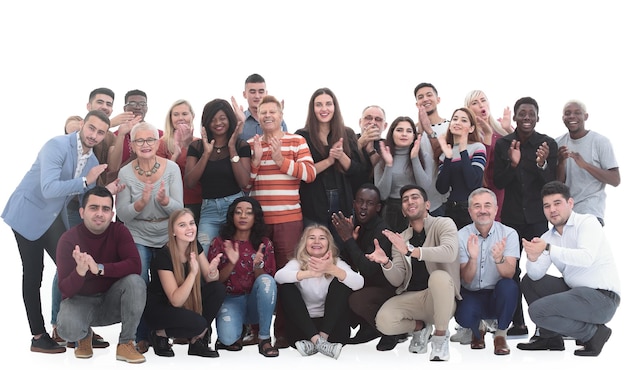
255 307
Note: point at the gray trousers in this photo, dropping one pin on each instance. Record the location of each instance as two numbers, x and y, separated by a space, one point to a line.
122 303
558 309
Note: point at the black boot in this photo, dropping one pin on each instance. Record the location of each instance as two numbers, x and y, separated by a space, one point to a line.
201 348
387 342
161 345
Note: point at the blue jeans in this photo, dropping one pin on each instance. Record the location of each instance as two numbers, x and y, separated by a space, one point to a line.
498 303
212 217
256 307
146 254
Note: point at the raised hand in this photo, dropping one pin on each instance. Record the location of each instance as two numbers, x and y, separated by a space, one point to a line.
232 251
95 172
445 147
472 246
343 225
336 151
378 255
241 116
505 121
193 264
497 251
385 154
542 154
161 196
515 154
415 151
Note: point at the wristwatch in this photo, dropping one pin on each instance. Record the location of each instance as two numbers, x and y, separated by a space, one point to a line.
410 249
100 269
547 250
235 159
260 265
433 135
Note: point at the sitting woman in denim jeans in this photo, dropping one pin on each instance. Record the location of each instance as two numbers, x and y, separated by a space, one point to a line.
221 162
246 268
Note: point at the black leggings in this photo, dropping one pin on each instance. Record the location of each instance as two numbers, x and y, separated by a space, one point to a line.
179 322
336 320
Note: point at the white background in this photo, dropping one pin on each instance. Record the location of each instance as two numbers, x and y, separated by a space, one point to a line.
368 52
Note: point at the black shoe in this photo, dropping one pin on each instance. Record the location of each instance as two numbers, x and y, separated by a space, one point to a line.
161 345
517 331
237 346
45 344
387 342
201 348
593 346
544 344
365 334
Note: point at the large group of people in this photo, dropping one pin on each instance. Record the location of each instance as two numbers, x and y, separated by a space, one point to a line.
329 236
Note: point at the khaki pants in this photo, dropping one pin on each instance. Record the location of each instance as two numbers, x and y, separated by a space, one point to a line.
435 305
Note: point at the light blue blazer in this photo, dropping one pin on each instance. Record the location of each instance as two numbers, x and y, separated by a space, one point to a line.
46 188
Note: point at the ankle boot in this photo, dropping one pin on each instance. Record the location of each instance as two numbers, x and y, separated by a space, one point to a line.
201 348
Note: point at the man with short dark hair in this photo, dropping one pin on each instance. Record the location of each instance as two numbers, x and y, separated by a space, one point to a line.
361 234
524 161
37 210
99 267
580 302
425 269
254 91
431 125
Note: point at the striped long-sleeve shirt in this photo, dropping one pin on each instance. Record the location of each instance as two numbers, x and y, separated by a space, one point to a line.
463 173
277 188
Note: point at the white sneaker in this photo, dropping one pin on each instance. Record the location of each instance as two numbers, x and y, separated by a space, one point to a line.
440 350
462 335
419 340
306 347
327 348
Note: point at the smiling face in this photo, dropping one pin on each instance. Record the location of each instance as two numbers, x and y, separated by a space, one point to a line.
270 117
427 97
185 228
219 124
526 119
574 117
243 217
144 144
403 134
324 108
413 205
460 124
97 213
483 209
317 243
367 205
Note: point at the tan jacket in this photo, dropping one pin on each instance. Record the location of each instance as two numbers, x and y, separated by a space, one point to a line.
440 252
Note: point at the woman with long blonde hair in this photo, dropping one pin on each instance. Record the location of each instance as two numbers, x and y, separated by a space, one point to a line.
177 136
314 288
184 294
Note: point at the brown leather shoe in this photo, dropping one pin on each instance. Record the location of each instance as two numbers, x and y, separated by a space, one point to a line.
478 343
500 347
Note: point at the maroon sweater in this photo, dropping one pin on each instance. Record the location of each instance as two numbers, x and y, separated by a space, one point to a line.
114 248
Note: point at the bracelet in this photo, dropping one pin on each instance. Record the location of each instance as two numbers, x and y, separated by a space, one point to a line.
372 152
501 260
386 263
212 275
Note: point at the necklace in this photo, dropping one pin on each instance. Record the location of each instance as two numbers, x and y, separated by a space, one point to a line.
150 172
218 149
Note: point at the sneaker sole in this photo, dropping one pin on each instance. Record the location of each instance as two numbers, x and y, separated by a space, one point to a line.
137 361
83 356
48 351
302 351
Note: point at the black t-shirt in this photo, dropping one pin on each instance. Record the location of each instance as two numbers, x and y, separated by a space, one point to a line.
419 279
162 260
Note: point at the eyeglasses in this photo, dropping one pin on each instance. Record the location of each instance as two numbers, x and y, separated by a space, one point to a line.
370 118
149 141
135 104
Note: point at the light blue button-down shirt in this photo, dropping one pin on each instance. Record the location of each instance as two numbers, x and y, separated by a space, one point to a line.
487 274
